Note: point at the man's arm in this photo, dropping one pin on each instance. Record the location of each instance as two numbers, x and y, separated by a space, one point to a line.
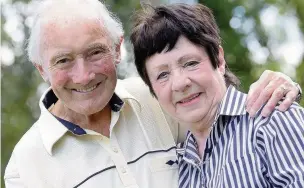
11 175
279 145
13 182
270 89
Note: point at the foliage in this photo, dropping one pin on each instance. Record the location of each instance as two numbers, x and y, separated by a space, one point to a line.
20 81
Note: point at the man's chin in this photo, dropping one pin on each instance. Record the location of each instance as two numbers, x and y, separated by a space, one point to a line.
86 112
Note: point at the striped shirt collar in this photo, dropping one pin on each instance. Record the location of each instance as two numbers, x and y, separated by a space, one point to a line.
51 129
231 105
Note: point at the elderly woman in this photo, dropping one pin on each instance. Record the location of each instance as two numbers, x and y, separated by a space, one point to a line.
178 55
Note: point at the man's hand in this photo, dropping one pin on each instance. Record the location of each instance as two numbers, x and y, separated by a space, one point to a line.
271 87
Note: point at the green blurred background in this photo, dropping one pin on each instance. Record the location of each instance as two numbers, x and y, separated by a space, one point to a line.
257 35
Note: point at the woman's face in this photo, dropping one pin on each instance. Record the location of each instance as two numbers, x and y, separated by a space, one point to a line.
185 83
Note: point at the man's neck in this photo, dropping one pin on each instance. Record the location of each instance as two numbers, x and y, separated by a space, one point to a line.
98 122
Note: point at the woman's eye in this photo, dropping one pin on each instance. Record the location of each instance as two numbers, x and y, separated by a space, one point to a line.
162 75
191 64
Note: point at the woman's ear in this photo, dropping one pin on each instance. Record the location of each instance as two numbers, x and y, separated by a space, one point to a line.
222 62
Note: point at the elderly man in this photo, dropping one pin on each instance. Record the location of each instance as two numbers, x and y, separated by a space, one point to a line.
188 74
94 130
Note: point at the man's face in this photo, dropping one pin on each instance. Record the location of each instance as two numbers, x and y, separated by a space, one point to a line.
185 83
78 61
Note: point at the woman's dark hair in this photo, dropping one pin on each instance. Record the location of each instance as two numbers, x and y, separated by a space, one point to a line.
158 28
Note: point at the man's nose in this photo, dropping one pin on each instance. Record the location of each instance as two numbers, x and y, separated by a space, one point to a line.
82 72
180 81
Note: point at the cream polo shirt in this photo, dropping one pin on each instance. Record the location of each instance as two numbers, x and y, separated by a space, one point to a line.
139 153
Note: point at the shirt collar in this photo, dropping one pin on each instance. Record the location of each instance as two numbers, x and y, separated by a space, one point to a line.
51 129
233 104
122 93
188 150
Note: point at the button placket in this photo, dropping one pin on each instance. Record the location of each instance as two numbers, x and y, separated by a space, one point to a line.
123 169
118 159
115 149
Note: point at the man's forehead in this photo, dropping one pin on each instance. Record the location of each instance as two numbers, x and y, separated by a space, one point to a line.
64 15
72 35
54 24
55 29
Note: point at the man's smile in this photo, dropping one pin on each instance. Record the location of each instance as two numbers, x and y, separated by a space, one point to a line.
86 89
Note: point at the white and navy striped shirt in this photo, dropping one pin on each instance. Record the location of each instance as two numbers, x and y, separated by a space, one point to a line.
246 152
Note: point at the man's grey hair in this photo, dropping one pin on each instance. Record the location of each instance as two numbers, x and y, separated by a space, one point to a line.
51 9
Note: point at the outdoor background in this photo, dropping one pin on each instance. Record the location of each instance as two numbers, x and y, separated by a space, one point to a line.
257 35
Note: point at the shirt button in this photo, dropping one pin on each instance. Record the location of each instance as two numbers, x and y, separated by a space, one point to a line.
115 149
123 170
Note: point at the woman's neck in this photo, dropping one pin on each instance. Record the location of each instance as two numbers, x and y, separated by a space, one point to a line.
201 140
201 130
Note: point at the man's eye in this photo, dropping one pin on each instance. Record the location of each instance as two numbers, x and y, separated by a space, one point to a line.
191 64
162 75
62 61
96 52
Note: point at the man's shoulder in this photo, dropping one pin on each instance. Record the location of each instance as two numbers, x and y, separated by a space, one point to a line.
29 141
25 151
134 84
149 105
136 87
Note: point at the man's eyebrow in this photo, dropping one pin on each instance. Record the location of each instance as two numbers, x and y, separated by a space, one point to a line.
58 55
103 47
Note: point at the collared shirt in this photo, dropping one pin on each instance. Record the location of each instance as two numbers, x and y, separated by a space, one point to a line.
115 103
139 153
246 152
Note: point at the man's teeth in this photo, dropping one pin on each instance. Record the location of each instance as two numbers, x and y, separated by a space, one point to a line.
189 99
87 90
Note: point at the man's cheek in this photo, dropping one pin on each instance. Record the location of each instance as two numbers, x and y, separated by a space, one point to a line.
106 68
59 78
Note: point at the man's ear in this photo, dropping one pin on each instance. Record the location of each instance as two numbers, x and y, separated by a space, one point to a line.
222 62
42 72
118 50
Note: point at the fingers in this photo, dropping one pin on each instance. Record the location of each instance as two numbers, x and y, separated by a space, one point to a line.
264 96
253 94
257 87
288 90
277 95
289 99
271 88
